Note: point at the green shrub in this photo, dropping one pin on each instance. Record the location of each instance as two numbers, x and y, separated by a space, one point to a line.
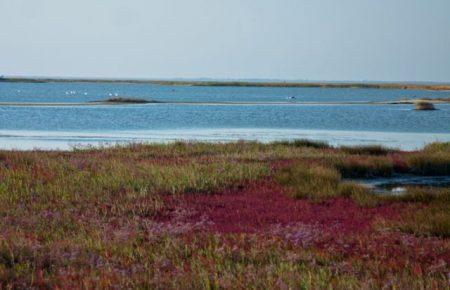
304 143
365 166
366 150
437 147
318 183
359 194
425 163
312 182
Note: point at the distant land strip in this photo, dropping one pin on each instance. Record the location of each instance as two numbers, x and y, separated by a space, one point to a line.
280 84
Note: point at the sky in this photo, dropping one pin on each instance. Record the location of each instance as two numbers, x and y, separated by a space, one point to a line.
345 40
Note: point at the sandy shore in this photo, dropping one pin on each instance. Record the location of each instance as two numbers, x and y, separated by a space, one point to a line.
399 102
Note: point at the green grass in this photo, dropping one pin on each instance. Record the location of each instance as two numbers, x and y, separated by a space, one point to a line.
318 184
46 179
434 159
425 163
358 193
437 147
431 212
424 195
367 150
312 182
365 166
433 220
304 143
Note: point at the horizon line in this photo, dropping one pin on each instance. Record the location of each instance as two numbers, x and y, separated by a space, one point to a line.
211 79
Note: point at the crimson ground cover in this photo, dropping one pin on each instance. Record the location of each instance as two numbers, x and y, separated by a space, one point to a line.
216 216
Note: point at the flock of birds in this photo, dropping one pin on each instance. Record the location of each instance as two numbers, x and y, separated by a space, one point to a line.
116 94
85 93
74 93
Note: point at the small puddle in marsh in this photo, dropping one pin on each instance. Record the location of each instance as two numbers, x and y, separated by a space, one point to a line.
397 184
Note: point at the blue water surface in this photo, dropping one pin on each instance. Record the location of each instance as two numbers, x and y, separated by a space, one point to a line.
83 92
25 127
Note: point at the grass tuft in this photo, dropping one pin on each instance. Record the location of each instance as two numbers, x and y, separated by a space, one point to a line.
437 147
365 166
425 163
432 220
359 194
314 183
366 150
304 143
429 214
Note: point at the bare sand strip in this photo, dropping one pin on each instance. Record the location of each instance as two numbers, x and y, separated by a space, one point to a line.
293 103
92 104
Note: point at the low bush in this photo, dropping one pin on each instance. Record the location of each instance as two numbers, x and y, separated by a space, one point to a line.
366 150
319 183
304 143
365 166
437 147
315 183
358 193
425 163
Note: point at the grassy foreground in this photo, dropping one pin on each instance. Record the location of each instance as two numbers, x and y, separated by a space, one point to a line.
240 215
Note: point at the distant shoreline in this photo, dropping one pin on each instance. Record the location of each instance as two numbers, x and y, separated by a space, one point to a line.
287 84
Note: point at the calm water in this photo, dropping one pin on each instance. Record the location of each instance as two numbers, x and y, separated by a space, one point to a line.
62 127
398 184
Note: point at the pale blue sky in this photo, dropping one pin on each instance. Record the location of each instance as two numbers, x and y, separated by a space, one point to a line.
392 40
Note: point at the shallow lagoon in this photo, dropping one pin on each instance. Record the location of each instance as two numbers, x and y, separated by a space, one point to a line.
73 92
62 127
